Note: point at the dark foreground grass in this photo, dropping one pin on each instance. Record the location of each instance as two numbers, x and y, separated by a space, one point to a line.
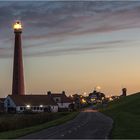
126 115
22 132
18 121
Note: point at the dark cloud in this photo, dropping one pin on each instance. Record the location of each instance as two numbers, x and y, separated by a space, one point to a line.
61 51
97 46
55 22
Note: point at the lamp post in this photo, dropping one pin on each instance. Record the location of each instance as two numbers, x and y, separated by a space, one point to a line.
18 76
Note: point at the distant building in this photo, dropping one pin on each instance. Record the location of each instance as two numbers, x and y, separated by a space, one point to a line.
124 92
115 97
53 102
96 96
33 103
61 99
77 101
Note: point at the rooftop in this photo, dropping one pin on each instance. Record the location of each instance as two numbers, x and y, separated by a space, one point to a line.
34 100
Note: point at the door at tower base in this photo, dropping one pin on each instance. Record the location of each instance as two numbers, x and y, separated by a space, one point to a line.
29 103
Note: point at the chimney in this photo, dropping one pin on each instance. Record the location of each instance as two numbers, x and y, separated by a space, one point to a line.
63 92
49 92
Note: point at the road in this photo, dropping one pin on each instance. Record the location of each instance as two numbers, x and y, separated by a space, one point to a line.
89 124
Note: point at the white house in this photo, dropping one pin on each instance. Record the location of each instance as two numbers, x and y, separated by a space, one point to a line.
61 99
34 103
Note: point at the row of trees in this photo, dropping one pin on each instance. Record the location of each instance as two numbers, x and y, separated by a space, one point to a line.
94 97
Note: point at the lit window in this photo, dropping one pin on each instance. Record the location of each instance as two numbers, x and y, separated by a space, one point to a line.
41 106
28 106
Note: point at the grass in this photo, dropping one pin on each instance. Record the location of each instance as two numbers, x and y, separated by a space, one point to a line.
22 132
126 115
18 121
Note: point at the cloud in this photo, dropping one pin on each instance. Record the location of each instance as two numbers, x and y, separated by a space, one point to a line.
91 47
7 53
50 23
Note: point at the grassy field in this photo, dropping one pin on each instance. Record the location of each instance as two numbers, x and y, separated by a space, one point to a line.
24 131
126 115
17 121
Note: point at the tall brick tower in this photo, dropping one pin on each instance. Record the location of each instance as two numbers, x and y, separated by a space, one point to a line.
18 76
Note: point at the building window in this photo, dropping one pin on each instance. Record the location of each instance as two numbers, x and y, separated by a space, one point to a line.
8 102
37 108
57 99
34 108
21 108
62 103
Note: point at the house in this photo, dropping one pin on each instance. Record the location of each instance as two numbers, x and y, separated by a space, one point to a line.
77 100
96 96
2 104
33 103
62 100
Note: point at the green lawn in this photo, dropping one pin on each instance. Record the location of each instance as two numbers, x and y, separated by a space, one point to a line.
21 132
126 115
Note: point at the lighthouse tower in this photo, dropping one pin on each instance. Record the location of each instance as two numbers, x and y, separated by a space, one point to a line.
18 76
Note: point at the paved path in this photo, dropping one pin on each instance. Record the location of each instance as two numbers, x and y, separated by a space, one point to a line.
89 124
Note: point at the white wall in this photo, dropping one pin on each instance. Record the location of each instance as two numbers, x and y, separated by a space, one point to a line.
54 108
11 103
63 105
57 99
18 109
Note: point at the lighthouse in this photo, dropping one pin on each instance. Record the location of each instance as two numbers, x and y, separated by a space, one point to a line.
18 75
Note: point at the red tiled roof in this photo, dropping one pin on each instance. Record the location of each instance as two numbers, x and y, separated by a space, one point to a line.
33 100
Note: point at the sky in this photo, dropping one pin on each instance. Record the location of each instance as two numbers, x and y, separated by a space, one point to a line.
73 46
